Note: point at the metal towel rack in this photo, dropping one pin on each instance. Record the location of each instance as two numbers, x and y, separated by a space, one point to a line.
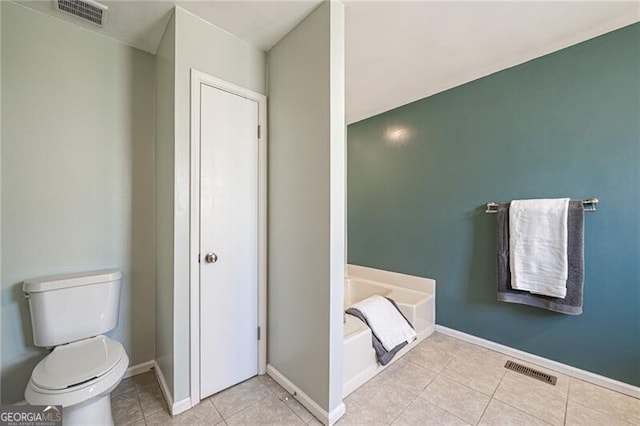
589 205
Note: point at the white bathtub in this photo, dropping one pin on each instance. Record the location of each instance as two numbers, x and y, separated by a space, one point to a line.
415 298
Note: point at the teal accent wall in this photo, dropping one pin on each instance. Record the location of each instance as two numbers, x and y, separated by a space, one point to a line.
563 125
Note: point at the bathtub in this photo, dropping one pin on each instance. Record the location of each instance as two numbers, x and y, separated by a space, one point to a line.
415 297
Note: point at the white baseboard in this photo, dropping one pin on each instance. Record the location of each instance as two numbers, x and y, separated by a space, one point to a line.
335 415
163 386
304 399
577 373
175 407
143 367
181 406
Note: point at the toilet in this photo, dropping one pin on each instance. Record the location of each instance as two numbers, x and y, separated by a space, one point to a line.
69 314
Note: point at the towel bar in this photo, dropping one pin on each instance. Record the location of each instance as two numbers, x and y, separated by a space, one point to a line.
589 205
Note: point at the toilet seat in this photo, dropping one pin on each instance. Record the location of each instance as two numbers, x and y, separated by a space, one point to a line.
78 362
76 372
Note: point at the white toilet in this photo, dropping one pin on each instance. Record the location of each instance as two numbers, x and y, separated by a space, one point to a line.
69 313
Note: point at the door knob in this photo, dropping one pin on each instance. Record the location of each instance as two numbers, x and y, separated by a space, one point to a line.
211 257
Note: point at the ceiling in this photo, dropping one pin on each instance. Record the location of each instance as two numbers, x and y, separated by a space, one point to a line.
400 52
396 51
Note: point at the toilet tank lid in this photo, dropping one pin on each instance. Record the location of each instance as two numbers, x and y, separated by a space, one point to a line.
57 282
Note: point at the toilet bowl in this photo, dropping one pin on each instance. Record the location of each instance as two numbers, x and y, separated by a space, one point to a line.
80 376
84 367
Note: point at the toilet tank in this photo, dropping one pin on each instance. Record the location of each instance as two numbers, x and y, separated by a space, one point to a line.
66 308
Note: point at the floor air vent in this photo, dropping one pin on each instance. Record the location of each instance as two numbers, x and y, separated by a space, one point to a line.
88 10
539 375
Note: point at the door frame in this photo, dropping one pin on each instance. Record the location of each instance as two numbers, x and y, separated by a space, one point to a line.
199 78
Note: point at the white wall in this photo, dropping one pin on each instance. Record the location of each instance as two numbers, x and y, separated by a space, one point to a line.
306 205
0 191
77 175
338 207
207 48
164 187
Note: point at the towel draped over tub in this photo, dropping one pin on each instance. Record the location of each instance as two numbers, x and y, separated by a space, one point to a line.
384 355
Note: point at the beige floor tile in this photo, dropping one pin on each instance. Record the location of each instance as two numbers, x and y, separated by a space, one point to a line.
406 375
298 409
286 397
151 399
145 379
457 399
314 422
501 414
577 415
268 411
444 343
391 396
605 401
479 370
539 399
125 408
421 412
160 418
469 349
125 386
273 386
202 414
358 415
384 402
429 357
239 397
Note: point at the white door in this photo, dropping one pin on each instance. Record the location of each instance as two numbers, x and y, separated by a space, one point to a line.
229 189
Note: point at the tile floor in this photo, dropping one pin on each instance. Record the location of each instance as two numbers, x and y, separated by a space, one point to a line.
442 381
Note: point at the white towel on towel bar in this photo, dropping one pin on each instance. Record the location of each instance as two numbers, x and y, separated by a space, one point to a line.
386 322
538 246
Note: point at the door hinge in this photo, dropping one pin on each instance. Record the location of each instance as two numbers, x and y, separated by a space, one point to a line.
198 257
259 334
259 131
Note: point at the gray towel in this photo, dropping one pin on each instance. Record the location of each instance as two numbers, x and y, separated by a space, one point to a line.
572 303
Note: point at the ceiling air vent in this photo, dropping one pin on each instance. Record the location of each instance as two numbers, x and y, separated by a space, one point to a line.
88 10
